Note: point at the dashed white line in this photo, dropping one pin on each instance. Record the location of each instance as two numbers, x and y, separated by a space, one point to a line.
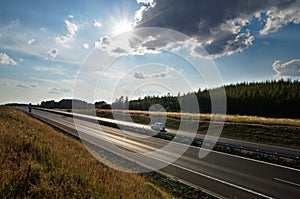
288 182
222 181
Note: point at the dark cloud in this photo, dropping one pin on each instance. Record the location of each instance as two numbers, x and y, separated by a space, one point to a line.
139 75
217 24
140 41
288 69
53 53
103 42
4 84
26 86
59 91
119 50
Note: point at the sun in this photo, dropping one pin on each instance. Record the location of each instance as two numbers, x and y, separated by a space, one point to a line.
122 26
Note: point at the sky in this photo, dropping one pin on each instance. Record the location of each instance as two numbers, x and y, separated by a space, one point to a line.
99 50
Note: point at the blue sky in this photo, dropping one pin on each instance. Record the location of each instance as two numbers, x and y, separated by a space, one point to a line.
47 46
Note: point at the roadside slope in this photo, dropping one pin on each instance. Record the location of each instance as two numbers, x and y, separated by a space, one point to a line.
37 161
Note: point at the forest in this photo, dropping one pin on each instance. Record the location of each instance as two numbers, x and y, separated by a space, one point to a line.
270 98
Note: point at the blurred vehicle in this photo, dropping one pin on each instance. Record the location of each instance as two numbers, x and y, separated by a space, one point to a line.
157 126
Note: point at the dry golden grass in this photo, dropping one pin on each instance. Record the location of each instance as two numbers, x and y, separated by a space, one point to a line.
228 118
36 161
262 120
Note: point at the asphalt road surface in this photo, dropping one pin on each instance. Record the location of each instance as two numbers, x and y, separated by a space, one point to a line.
225 175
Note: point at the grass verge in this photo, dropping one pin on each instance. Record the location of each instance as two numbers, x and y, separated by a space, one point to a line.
37 161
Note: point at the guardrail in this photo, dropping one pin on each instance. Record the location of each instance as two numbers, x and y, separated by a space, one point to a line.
179 138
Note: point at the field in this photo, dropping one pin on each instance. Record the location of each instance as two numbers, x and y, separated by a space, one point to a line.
37 161
277 131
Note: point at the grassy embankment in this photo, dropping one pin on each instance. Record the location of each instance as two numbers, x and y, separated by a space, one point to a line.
36 161
278 131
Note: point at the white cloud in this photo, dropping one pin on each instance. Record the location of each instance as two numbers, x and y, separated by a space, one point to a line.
139 14
30 41
148 2
288 69
15 37
113 47
54 70
42 29
59 91
277 18
238 44
53 52
142 43
65 39
86 46
5 59
71 16
97 23
71 27
103 42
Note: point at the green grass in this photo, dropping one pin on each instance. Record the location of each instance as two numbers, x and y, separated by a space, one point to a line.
36 161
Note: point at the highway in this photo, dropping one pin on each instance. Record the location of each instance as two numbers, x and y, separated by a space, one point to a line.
234 143
225 175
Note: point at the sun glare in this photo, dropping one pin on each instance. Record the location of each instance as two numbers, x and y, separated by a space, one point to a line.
122 26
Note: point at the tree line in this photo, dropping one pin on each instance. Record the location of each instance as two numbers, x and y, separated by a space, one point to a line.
270 98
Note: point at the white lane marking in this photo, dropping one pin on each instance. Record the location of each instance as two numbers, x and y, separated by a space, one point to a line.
218 180
288 182
259 161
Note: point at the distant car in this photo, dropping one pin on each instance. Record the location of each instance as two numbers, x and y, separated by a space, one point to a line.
157 126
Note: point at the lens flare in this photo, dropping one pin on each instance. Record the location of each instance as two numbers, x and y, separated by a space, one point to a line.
122 26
